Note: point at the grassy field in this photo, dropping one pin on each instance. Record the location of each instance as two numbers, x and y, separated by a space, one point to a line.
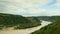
53 28
17 21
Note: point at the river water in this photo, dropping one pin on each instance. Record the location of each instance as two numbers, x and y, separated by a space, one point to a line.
25 31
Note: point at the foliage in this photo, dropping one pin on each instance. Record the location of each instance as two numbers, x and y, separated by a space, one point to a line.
17 21
53 28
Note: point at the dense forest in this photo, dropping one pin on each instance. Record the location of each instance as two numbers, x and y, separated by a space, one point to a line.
17 21
48 18
20 22
53 28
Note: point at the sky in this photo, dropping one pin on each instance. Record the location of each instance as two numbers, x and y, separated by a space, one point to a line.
30 7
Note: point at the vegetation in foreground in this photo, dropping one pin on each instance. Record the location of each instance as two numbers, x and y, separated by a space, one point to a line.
53 28
17 21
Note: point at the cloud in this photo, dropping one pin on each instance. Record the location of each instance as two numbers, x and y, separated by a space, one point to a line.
27 7
19 6
27 3
57 3
37 11
53 12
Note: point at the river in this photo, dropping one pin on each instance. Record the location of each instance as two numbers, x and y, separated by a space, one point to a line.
25 31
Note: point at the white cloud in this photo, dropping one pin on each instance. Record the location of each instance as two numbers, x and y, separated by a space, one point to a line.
26 7
57 3
37 11
28 2
42 12
46 12
19 6
53 12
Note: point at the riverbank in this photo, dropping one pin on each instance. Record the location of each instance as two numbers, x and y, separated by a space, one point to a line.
53 28
25 31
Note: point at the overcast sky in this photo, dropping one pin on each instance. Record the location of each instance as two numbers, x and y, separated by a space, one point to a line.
30 7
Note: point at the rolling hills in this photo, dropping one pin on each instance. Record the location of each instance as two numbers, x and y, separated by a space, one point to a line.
53 28
17 21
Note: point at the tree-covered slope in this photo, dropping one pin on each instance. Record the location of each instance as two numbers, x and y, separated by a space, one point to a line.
46 18
17 21
53 28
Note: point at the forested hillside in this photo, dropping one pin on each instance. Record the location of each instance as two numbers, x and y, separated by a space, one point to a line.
53 28
17 21
47 18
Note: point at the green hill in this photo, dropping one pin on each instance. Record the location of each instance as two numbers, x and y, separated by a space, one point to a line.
53 28
17 21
